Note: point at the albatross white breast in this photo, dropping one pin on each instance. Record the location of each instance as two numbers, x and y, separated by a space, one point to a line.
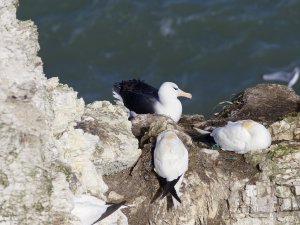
141 98
170 162
242 136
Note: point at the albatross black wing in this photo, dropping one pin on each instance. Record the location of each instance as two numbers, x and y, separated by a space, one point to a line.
110 209
137 96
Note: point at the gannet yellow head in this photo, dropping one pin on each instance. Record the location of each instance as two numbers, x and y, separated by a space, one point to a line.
248 123
170 135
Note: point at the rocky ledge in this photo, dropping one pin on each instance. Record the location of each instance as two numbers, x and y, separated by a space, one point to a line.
53 147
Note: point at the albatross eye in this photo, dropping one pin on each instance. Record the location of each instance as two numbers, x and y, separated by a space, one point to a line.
176 88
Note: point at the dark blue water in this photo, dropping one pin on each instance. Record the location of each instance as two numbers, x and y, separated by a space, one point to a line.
211 48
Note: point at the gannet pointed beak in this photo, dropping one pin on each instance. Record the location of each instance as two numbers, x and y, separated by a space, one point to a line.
184 94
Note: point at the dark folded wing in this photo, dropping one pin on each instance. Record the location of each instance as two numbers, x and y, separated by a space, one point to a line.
170 188
137 95
166 188
111 209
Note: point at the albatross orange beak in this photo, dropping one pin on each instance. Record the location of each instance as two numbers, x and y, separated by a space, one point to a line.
184 94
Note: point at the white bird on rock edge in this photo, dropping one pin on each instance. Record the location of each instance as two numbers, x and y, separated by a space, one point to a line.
170 162
90 210
242 136
141 98
290 78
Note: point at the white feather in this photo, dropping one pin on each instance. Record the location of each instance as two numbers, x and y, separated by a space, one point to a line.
170 159
118 98
200 131
242 136
88 209
168 103
290 77
170 156
119 101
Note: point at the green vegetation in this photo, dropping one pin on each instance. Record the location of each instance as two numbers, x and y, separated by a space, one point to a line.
3 179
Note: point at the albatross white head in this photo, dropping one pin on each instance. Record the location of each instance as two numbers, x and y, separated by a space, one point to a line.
169 104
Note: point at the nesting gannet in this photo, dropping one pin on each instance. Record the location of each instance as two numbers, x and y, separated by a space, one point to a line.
141 98
170 162
242 136
91 210
290 78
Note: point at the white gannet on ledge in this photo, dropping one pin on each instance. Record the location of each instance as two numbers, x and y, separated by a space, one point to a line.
170 162
90 210
290 78
242 136
141 98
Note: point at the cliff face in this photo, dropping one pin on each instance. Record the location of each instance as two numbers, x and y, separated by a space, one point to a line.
44 158
26 119
53 147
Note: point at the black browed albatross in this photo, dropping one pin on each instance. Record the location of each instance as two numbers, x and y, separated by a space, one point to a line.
141 98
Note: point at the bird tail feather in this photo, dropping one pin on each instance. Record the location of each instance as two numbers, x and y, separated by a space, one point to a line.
118 99
110 209
158 193
168 188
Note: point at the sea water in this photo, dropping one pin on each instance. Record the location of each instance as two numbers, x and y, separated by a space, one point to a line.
211 48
